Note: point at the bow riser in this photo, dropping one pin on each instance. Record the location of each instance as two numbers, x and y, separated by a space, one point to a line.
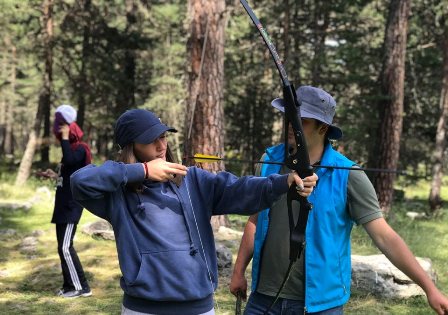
299 161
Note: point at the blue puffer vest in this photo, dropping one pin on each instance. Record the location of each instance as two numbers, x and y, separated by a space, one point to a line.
327 254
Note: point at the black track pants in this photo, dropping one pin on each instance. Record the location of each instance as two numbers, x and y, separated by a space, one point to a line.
74 278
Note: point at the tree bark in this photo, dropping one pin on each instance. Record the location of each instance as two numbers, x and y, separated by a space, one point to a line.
44 97
126 95
435 201
86 53
321 19
2 122
48 78
391 103
205 83
9 119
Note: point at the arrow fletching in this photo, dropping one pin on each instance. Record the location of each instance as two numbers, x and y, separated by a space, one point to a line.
205 158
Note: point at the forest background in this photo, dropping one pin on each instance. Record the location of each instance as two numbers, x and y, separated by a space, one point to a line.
104 57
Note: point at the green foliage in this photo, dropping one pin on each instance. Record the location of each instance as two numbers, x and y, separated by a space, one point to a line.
167 68
337 47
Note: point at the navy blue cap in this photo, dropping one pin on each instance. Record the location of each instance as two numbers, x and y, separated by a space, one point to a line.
139 126
317 104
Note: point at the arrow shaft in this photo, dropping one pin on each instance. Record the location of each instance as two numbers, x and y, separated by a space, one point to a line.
367 169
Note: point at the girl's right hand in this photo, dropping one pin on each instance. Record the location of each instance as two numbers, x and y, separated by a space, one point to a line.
65 131
162 171
49 173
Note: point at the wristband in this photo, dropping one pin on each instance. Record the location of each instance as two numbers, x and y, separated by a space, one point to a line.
146 170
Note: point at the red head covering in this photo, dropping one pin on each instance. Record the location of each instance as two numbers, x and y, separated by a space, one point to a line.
74 137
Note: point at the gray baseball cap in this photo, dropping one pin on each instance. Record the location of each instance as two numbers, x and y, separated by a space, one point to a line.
317 104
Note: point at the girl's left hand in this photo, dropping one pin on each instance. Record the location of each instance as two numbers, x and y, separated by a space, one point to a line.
304 186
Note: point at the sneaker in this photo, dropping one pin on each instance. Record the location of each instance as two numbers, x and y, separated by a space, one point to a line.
60 292
76 293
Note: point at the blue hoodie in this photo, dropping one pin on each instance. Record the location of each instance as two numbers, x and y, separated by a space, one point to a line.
163 234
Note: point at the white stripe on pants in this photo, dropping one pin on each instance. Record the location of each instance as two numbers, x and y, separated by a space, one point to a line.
68 257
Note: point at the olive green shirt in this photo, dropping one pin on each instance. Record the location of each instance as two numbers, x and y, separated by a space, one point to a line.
362 205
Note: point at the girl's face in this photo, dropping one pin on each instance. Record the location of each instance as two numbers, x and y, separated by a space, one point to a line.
151 151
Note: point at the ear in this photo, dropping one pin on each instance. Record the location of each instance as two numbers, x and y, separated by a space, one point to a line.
323 129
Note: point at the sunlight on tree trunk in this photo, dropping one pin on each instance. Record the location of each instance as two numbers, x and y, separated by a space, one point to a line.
27 160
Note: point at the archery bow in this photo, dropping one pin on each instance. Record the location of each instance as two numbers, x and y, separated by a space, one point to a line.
296 159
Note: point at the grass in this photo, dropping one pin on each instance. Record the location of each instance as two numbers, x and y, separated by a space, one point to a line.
28 282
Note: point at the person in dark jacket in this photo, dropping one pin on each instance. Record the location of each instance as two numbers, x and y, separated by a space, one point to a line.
160 212
67 212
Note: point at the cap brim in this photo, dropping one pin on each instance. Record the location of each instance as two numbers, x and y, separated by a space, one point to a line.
279 103
334 132
153 133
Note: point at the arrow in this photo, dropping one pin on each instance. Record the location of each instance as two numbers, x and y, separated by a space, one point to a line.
205 158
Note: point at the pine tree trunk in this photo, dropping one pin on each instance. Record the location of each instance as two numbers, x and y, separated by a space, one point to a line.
86 52
391 103
321 19
9 119
2 123
286 38
48 79
205 83
126 95
44 97
298 40
435 200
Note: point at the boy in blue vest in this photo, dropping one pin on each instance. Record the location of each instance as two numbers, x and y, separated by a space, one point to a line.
320 280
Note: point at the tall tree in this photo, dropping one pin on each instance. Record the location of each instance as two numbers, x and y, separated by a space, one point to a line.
321 17
391 103
438 157
9 104
205 48
126 94
86 53
44 95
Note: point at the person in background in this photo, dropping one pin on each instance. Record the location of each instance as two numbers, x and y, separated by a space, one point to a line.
67 212
320 280
160 212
